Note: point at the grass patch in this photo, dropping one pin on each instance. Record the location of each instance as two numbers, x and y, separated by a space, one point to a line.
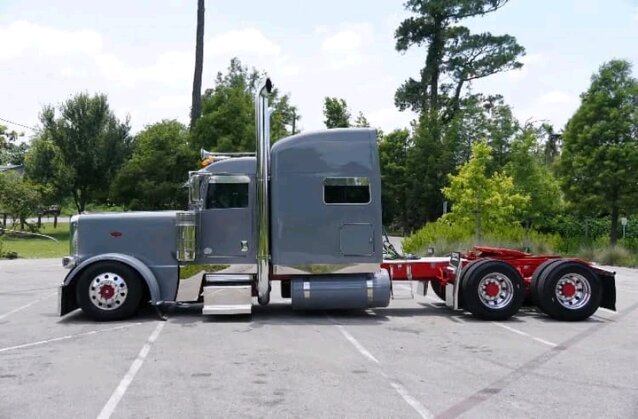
38 247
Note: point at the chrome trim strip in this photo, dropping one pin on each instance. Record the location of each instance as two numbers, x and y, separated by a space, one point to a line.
347 181
262 116
188 289
228 179
306 290
370 286
324 268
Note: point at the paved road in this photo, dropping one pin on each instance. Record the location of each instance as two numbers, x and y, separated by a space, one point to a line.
412 359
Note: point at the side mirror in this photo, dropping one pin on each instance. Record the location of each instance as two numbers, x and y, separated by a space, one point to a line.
195 182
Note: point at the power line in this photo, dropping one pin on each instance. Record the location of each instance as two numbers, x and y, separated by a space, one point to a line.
20 125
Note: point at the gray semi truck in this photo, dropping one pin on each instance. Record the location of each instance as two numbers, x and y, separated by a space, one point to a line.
306 211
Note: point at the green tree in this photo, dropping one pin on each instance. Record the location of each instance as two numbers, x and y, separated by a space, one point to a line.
336 112
534 179
445 132
599 160
11 152
480 199
429 163
228 112
19 198
44 164
479 117
393 157
153 178
361 121
453 52
93 144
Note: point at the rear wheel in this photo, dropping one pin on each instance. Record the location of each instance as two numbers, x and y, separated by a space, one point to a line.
438 289
492 290
109 291
569 291
534 288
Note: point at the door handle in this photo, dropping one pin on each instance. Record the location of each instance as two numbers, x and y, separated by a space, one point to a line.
244 245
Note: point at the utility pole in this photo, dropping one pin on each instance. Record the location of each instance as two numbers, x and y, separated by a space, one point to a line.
294 120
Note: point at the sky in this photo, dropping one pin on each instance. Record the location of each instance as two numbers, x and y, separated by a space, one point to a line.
141 54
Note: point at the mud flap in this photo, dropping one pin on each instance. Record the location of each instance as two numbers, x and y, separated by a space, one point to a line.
608 283
66 299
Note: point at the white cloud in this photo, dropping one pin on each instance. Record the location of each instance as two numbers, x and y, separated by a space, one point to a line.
21 37
342 41
533 61
170 102
557 97
346 47
390 119
237 42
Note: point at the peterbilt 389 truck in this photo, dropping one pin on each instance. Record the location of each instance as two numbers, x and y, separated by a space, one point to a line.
306 212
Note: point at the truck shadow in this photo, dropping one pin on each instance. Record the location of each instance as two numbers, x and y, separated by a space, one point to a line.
146 314
283 314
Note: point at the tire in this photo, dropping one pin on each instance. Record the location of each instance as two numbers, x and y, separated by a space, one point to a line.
438 289
580 301
109 291
534 289
492 290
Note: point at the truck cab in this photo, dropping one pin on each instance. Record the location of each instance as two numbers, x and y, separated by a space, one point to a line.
305 211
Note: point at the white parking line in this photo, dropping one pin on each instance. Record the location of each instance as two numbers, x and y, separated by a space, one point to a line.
67 337
402 391
119 392
357 345
519 332
15 310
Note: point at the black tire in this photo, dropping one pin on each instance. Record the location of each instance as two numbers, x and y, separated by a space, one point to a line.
509 287
107 306
438 289
534 289
585 283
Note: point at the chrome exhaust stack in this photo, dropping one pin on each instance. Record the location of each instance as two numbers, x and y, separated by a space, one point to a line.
262 115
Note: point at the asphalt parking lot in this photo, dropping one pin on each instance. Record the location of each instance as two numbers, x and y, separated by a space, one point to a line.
413 359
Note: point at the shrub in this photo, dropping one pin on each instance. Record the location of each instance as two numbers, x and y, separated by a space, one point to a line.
445 238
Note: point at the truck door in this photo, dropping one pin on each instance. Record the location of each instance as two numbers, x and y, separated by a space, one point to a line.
226 234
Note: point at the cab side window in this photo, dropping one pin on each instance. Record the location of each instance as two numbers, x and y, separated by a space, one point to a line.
224 194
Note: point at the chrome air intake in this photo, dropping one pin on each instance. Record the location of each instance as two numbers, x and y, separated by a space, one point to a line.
262 115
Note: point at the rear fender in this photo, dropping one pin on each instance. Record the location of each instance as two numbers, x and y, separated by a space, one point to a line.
67 301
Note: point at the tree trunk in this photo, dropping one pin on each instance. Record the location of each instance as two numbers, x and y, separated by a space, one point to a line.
613 234
196 106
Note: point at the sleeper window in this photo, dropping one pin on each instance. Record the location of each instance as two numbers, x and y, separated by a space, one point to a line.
346 190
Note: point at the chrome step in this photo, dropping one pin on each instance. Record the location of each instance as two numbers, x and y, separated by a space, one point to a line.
227 294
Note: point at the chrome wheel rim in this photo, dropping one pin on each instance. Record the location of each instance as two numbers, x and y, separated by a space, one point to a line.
495 290
573 291
108 291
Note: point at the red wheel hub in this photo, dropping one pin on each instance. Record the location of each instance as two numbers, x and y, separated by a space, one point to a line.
107 291
568 290
492 289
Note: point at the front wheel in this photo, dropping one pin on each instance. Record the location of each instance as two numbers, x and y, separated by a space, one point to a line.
492 290
109 291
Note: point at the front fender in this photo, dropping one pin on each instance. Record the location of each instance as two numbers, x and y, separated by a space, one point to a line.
66 305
